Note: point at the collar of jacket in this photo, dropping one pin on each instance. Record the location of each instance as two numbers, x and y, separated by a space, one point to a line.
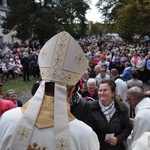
120 106
118 77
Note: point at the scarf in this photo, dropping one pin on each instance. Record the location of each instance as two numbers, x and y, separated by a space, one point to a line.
91 93
108 111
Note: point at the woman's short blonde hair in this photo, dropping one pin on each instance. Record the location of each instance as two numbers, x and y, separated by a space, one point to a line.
97 67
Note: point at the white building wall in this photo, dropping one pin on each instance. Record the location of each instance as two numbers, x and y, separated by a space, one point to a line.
10 37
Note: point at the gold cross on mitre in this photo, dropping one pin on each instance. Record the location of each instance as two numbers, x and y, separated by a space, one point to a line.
79 58
43 53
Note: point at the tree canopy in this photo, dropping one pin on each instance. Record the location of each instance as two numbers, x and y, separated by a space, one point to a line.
126 17
40 20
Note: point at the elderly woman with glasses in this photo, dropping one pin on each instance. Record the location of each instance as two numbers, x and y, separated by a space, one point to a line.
110 118
91 92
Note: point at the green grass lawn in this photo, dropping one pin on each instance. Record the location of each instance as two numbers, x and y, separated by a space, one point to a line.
18 85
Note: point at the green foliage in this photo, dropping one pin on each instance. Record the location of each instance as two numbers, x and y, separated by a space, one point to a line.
18 85
97 29
40 20
127 17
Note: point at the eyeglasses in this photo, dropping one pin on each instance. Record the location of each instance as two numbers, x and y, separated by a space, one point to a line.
104 90
92 85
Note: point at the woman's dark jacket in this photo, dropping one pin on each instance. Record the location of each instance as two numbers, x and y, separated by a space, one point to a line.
119 125
19 103
82 111
85 93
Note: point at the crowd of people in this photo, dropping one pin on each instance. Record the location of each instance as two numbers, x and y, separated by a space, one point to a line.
18 60
108 53
103 84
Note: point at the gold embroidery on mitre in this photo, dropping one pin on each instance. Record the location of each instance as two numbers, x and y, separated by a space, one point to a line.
60 52
47 73
43 53
63 37
62 76
79 59
56 67
69 77
61 45
61 145
58 60
22 134
35 146
54 74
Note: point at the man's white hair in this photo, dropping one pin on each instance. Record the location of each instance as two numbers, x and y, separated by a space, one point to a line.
91 81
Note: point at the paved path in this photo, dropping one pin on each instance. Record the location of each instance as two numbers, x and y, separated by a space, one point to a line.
27 94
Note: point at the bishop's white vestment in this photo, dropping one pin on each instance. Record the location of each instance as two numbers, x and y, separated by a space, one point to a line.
82 136
141 122
46 123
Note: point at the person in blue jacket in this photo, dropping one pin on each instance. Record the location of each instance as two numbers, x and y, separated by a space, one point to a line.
127 72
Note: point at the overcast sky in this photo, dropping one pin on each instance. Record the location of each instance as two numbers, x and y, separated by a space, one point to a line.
93 14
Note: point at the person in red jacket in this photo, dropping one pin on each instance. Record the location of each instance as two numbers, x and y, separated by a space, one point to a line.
6 105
